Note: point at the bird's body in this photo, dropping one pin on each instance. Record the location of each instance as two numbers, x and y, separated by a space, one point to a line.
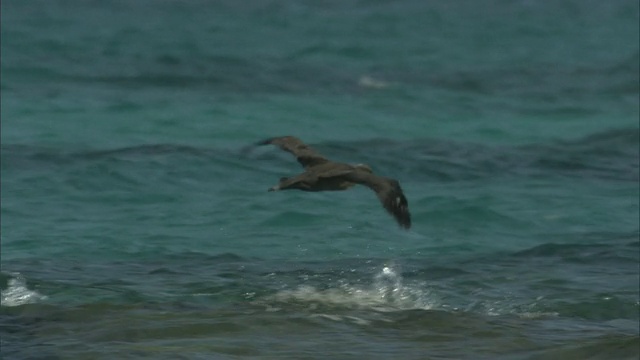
323 175
328 176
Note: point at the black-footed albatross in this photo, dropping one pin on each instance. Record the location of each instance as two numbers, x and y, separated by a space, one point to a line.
322 174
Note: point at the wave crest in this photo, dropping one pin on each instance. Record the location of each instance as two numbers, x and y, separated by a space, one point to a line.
17 293
386 293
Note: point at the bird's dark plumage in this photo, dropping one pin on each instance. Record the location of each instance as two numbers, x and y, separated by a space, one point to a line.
307 157
324 175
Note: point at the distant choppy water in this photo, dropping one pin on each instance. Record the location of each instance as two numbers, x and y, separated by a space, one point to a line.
136 223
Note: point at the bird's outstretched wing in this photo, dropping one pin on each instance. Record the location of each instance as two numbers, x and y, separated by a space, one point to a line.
389 192
306 156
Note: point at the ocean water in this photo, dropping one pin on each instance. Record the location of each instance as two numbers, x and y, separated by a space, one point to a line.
135 221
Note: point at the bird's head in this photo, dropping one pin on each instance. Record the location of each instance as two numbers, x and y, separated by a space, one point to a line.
364 167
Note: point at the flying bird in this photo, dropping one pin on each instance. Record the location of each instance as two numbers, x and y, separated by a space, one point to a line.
321 174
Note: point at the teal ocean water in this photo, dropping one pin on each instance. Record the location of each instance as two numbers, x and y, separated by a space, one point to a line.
136 222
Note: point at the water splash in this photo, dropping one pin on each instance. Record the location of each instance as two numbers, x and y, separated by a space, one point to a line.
17 293
386 293
388 282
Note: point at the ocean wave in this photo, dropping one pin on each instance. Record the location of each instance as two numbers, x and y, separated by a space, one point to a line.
600 347
616 249
17 293
391 298
609 155
387 293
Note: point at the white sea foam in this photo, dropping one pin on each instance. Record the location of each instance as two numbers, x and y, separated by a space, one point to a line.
386 293
17 292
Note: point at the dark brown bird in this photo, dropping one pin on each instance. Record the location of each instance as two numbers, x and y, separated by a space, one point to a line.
322 174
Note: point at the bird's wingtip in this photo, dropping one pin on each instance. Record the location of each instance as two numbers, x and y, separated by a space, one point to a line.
264 142
247 149
274 138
